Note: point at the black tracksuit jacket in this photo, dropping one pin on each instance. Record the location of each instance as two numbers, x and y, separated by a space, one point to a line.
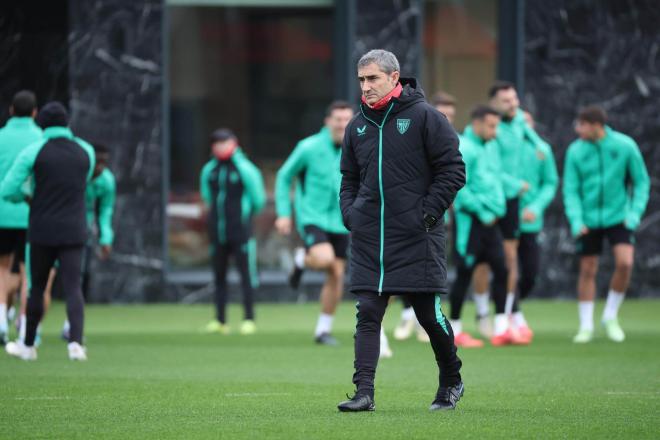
397 165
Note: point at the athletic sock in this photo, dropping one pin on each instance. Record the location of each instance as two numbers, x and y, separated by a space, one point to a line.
456 325
501 324
4 327
614 300
299 258
22 328
324 324
384 343
408 314
519 319
586 311
508 306
481 303
66 327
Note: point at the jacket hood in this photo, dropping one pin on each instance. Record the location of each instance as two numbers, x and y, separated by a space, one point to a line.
411 94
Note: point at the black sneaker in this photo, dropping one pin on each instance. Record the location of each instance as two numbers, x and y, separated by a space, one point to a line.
326 339
357 403
294 277
447 397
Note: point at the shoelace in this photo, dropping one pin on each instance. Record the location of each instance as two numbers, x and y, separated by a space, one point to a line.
355 395
352 397
447 394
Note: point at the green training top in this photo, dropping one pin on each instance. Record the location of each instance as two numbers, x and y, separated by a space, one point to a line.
253 198
483 193
596 177
314 163
540 171
510 142
18 183
101 193
14 138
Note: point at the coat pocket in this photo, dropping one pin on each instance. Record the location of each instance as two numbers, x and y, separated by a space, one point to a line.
436 260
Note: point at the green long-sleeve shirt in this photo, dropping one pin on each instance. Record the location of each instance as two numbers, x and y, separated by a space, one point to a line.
483 193
58 168
100 200
595 187
314 163
510 142
234 191
540 172
15 136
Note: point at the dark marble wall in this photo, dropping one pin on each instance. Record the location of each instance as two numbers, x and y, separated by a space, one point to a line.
604 52
33 51
116 97
394 25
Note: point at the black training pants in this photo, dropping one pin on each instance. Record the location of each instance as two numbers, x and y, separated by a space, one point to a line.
485 245
528 266
370 310
88 253
41 261
245 259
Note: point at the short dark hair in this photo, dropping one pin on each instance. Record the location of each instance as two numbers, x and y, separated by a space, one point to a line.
443 98
593 115
337 105
481 111
53 114
24 103
498 86
222 134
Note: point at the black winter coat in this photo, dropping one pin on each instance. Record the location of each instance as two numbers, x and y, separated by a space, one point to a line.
397 165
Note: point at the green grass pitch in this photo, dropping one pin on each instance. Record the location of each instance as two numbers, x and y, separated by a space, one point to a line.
152 374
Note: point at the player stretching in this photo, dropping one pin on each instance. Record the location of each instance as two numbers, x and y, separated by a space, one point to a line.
606 187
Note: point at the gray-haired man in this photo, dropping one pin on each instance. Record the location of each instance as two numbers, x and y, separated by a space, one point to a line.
401 169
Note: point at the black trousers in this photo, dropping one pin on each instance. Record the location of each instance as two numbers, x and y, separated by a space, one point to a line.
528 266
485 245
41 260
370 310
245 260
88 253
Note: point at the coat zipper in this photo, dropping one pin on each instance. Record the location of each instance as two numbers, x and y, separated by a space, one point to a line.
382 195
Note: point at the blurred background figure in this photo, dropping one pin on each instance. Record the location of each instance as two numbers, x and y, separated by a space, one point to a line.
540 171
19 132
314 165
606 189
503 97
479 205
232 189
445 104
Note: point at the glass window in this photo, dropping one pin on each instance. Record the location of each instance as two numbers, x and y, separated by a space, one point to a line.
266 73
460 51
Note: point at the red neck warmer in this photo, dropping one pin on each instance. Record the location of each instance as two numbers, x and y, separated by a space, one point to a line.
380 104
227 154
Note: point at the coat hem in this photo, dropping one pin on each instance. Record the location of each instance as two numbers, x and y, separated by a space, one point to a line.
400 290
